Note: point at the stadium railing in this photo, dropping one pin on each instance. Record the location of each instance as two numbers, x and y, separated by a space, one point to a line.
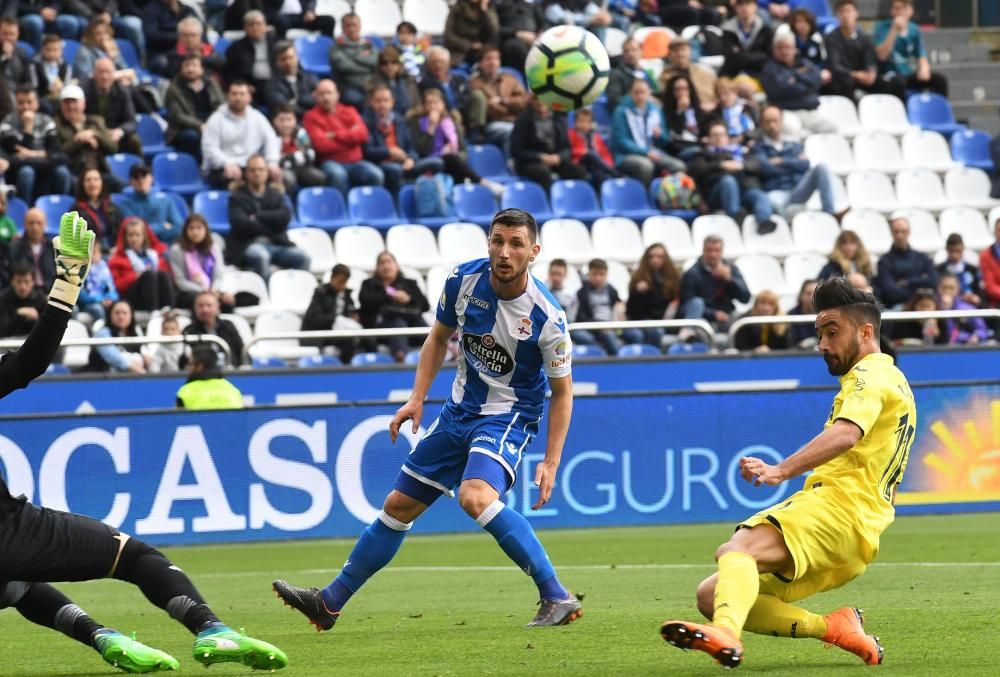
131 341
889 316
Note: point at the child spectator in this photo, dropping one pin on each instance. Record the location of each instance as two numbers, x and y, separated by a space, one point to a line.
762 338
588 149
808 39
99 292
556 283
737 114
168 355
411 53
919 332
598 301
969 280
959 331
197 265
139 268
298 159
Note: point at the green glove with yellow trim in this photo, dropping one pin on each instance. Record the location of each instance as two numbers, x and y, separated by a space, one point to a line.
74 246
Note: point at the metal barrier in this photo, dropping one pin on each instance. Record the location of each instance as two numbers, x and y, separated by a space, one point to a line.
888 316
132 340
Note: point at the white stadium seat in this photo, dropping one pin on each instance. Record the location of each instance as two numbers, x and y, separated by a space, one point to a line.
278 322
614 39
761 272
801 267
927 149
843 112
777 243
413 245
840 201
436 277
971 225
921 188
75 357
885 113
833 150
925 236
617 239
673 233
868 189
358 246
815 232
429 16
317 243
460 242
291 290
235 281
871 227
242 326
567 239
879 151
969 187
721 226
379 17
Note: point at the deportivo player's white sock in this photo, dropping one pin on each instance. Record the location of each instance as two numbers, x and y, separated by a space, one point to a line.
378 544
518 540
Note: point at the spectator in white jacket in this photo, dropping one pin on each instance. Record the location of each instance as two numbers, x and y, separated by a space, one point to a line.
234 133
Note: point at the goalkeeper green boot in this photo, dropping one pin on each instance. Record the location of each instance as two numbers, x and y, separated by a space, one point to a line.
129 655
221 644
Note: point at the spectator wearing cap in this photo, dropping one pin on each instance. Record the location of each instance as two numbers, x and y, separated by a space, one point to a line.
191 98
31 144
233 134
249 58
85 139
112 101
156 209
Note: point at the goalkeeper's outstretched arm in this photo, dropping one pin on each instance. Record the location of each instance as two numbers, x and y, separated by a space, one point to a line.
73 248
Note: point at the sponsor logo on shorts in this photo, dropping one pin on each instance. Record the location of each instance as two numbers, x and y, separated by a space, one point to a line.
486 355
469 298
484 438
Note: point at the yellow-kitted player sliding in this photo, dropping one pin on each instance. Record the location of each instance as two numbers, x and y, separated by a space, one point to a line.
826 534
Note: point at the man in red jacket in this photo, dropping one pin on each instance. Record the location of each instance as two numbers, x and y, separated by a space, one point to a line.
989 268
338 133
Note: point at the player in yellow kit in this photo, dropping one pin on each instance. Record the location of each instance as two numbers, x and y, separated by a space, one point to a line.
826 534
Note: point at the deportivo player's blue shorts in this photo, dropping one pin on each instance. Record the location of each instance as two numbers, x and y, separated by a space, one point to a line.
461 446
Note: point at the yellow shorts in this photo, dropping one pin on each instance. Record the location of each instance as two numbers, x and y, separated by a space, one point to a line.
827 545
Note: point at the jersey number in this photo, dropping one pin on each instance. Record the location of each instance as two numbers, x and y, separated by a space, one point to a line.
894 470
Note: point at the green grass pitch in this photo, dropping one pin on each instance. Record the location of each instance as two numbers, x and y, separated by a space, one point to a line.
453 605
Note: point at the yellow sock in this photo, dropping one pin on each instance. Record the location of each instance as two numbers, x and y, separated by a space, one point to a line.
736 591
772 616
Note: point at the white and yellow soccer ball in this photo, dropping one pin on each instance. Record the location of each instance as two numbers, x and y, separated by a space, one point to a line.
567 68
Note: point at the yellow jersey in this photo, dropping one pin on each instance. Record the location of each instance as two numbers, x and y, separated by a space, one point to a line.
875 396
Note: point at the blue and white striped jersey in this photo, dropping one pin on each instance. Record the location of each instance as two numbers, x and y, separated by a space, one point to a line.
507 347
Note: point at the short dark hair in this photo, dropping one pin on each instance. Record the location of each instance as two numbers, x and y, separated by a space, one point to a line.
597 264
954 240
22 268
558 263
191 56
25 88
514 218
280 47
585 113
340 269
840 3
49 38
838 293
205 355
406 27
282 108
239 83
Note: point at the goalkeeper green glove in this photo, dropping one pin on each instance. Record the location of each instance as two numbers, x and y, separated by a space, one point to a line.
73 247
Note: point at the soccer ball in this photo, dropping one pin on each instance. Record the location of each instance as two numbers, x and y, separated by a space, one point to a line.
567 68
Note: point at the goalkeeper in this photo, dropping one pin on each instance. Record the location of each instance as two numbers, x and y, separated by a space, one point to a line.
39 545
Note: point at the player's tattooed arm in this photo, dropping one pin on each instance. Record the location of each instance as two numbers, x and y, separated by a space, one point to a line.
829 444
560 412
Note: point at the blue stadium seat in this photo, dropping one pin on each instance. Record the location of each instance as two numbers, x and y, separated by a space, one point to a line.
516 73
488 161
322 207
530 197
221 45
131 56
269 363
821 10
408 210
693 348
474 203
377 42
120 163
412 357
26 48
585 352
117 199
178 172
214 206
638 350
56 368
688 215
602 116
971 147
16 209
575 200
372 206
370 359
179 202
294 223
70 48
54 206
626 197
151 136
933 112
311 361
314 53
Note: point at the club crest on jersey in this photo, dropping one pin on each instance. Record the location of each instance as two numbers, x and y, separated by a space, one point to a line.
521 329
486 355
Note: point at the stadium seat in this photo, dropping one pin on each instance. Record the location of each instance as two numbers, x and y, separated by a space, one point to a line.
474 203
358 246
120 163
214 206
178 172
26 47
279 322
489 162
151 136
878 151
414 245
602 116
154 327
777 243
56 369
322 207
314 54
588 352
883 113
970 223
843 112
800 267
76 357
242 326
872 227
319 245
869 189
291 290
814 231
969 187
761 271
921 188
575 200
235 281
614 39
316 361
436 277
833 150
415 275
820 9
922 148
221 45
840 201
722 226
461 241
70 48
379 17
16 209
617 239
412 358
429 16
372 206
268 362
530 197
53 206
179 202
933 112
673 233
371 359
971 147
688 348
925 236
131 57
408 210
638 350
567 239
335 8
626 197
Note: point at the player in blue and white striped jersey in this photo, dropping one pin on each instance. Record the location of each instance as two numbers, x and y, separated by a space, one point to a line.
514 343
